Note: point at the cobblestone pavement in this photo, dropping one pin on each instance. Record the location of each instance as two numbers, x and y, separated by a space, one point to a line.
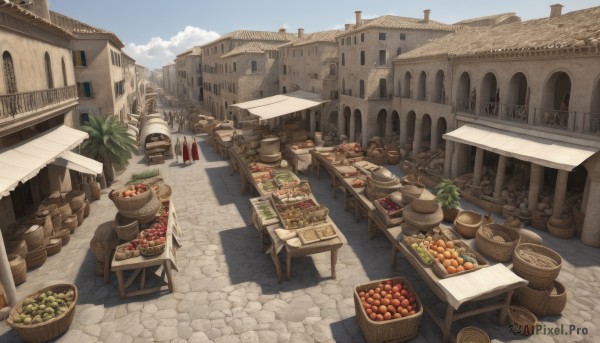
226 290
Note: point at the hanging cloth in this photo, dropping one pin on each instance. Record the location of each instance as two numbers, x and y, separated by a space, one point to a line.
195 154
186 150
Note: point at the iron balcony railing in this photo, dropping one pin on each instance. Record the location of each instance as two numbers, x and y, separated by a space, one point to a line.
591 123
489 109
516 113
14 104
465 105
556 119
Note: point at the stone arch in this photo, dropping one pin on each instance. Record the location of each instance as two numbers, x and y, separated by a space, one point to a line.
406 91
439 94
555 101
395 123
422 86
442 128
463 92
381 122
356 129
345 129
426 131
411 119
490 94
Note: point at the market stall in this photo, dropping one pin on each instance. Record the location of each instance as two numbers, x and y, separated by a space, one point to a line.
155 138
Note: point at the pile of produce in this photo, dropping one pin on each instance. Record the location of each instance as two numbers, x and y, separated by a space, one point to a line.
46 306
146 174
305 204
350 147
389 205
132 191
258 168
293 218
450 256
388 301
301 145
265 210
421 249
293 194
154 235
358 183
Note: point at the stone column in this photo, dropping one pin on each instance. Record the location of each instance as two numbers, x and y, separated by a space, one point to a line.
6 275
388 125
478 167
560 193
433 146
403 129
590 233
418 137
313 123
500 176
535 186
448 159
352 130
586 193
341 124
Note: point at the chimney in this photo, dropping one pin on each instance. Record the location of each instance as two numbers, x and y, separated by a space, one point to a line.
555 10
300 33
347 27
426 16
358 19
40 8
282 30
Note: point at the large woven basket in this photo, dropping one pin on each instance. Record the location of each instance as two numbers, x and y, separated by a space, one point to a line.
37 257
65 209
471 334
425 204
538 220
394 330
130 204
64 235
34 237
126 228
164 192
550 302
56 222
86 211
53 246
373 194
45 331
75 199
80 215
18 268
537 264
521 320
409 193
560 232
70 223
450 214
17 247
145 214
500 249
467 223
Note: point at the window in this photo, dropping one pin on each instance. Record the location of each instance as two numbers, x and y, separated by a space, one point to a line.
403 36
234 66
49 77
382 57
361 89
343 59
381 35
64 72
261 93
84 89
84 118
362 58
112 57
254 67
332 69
354 40
284 69
119 88
199 82
284 90
222 48
399 52
9 73
226 68
348 41
382 88
362 37
79 59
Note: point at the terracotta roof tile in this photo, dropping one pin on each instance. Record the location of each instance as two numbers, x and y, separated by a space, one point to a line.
490 20
574 29
251 48
322 36
14 9
255 36
76 27
396 22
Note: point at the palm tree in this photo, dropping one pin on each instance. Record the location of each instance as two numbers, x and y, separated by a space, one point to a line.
108 143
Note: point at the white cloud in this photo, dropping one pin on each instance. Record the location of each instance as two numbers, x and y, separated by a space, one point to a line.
159 52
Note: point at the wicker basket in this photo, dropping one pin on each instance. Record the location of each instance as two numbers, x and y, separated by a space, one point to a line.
34 237
467 223
164 192
37 257
45 331
53 246
560 232
508 211
409 193
126 228
502 250
86 211
18 268
521 320
17 248
65 209
80 216
130 204
537 264
56 222
425 204
76 199
538 220
550 302
70 223
393 157
471 334
373 194
394 182
394 330
145 214
64 235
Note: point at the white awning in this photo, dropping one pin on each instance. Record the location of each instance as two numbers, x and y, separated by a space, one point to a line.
23 161
545 152
278 105
78 163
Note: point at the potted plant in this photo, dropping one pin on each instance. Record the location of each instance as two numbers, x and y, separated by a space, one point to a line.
449 199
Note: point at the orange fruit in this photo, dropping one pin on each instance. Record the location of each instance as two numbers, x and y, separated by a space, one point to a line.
451 270
454 254
440 257
440 250
460 261
454 263
468 265
449 244
446 264
460 269
441 243
447 255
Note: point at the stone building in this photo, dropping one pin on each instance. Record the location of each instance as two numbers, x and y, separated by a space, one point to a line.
215 68
310 63
169 77
99 71
189 76
518 104
366 51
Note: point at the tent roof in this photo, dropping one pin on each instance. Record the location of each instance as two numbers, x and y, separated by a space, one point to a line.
278 105
79 163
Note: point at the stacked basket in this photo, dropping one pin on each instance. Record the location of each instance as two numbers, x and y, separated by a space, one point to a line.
381 183
497 241
544 295
270 150
142 207
423 212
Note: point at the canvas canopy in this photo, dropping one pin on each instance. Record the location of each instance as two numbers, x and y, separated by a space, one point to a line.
154 128
545 152
23 161
278 105
79 163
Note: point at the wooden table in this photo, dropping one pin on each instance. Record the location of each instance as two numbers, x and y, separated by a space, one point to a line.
331 245
141 264
299 159
260 224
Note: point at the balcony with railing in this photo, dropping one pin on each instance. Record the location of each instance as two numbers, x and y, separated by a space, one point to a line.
555 119
489 109
19 103
516 113
465 105
591 123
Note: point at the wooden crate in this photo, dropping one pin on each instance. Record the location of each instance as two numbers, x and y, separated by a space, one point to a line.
156 159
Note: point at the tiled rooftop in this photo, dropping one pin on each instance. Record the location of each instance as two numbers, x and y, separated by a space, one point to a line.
75 26
322 36
250 35
496 19
396 22
14 9
251 48
574 29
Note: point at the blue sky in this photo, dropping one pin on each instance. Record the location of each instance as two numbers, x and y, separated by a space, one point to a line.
155 31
